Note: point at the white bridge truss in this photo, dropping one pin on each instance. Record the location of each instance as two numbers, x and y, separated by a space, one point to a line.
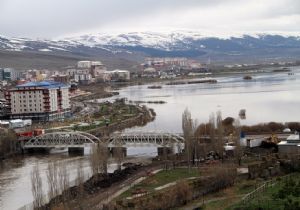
145 139
62 140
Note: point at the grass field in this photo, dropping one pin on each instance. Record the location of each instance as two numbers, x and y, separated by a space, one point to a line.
284 195
225 198
162 178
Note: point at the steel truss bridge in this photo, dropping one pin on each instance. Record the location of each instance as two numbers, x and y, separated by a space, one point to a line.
75 139
135 139
62 140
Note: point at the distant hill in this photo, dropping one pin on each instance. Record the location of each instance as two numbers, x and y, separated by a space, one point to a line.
127 50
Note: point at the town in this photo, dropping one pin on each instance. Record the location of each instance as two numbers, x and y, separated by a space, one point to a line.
53 112
149 105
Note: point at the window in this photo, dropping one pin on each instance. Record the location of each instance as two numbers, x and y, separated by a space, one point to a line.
25 110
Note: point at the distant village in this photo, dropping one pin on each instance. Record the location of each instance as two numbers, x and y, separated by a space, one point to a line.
44 95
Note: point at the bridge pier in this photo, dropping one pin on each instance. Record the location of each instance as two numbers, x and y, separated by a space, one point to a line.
37 150
76 150
166 150
114 151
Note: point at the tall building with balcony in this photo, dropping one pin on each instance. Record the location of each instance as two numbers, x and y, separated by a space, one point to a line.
41 101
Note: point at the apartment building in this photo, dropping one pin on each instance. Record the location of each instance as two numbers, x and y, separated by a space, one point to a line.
41 101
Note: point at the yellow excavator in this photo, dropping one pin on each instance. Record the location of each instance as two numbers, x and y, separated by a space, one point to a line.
270 142
273 139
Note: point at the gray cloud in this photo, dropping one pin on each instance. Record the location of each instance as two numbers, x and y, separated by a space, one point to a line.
52 18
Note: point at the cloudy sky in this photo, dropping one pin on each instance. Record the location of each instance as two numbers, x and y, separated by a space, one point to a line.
57 18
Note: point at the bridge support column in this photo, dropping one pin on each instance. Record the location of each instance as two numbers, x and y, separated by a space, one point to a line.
37 150
115 151
164 150
76 150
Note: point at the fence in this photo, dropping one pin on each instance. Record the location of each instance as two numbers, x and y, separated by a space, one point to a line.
257 192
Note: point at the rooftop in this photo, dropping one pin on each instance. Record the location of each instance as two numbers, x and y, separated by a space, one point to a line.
293 137
45 84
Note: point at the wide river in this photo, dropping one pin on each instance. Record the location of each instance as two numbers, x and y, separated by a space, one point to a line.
267 97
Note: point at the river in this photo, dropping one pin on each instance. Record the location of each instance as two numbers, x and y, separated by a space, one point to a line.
267 97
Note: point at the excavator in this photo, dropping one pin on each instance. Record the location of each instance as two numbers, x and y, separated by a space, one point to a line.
271 142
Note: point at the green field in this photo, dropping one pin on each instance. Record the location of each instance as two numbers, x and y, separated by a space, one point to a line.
284 195
162 178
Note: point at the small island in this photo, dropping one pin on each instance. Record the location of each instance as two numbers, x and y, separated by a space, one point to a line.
155 87
247 77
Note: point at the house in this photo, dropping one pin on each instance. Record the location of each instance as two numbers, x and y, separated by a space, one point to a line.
291 145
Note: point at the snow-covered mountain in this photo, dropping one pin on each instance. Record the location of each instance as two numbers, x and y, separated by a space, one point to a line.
178 43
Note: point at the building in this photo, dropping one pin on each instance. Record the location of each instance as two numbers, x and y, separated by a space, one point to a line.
94 68
10 74
166 61
97 69
150 72
42 101
61 78
81 76
84 64
119 75
1 73
291 145
83 79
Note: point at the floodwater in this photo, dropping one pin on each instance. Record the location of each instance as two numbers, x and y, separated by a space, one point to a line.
267 97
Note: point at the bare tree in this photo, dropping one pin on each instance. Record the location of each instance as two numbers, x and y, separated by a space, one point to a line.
118 151
36 187
187 127
8 140
195 143
119 156
99 158
103 150
94 159
212 128
52 178
64 180
238 151
201 134
220 135
80 185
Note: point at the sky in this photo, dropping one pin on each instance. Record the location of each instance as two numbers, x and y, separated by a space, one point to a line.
59 18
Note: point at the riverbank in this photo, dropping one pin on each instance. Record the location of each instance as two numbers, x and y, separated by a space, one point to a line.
99 188
145 115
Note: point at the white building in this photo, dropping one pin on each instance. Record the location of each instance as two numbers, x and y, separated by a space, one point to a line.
43 101
291 145
116 75
84 64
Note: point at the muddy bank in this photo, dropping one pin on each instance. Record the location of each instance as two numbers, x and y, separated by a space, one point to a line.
192 82
76 194
146 115
96 95
148 102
